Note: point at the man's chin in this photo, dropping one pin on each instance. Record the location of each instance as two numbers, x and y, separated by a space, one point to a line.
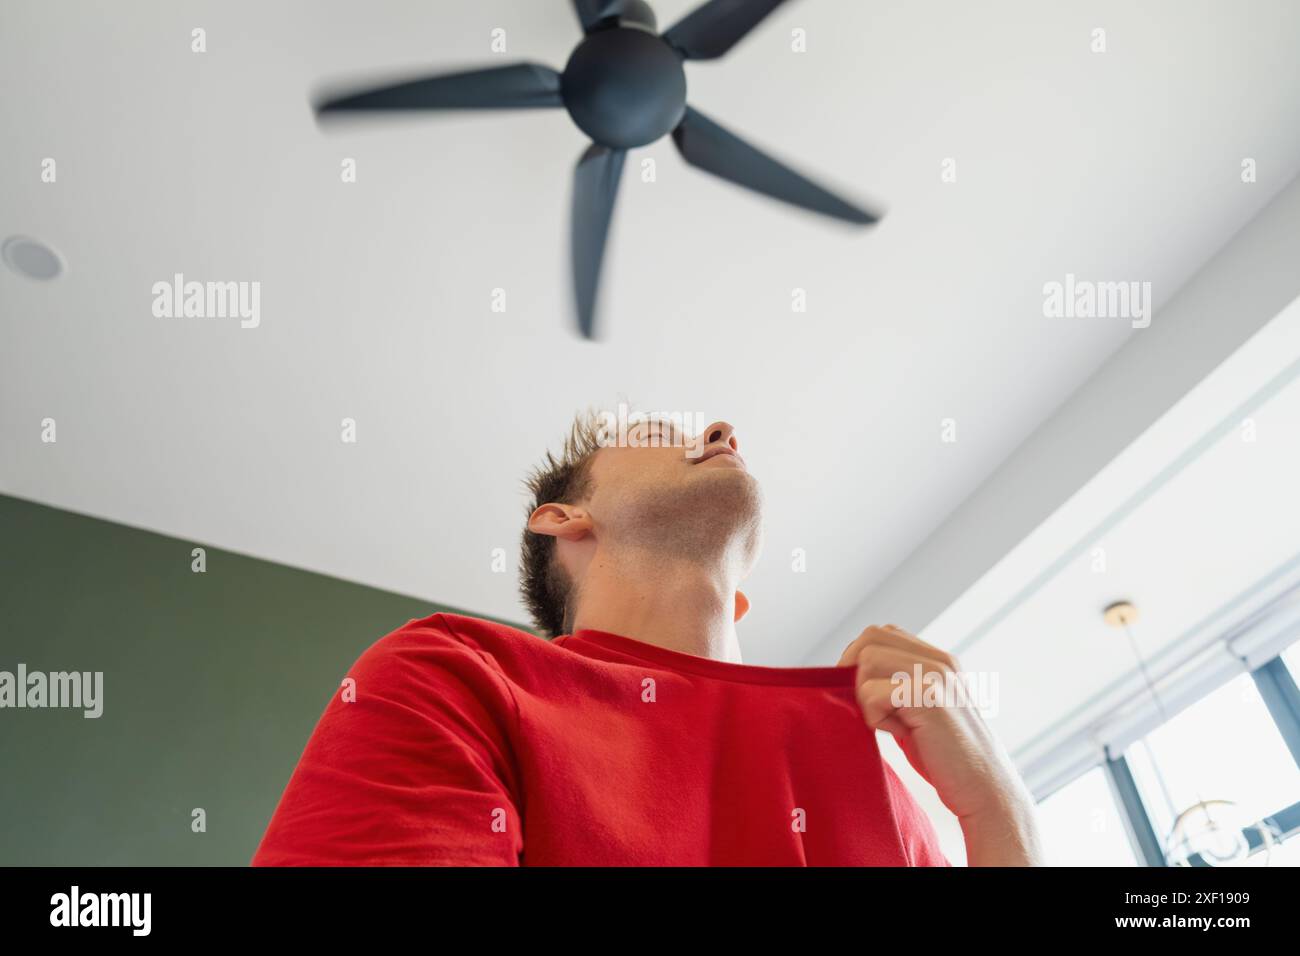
712 510
727 490
725 476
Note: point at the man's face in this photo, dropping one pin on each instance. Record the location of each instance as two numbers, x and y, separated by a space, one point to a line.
685 497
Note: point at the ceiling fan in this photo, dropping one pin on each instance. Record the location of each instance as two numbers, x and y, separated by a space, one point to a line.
624 86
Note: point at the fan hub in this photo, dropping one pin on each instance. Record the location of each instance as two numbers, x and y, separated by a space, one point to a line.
624 87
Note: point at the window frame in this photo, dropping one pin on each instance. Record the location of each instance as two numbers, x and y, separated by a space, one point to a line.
1277 687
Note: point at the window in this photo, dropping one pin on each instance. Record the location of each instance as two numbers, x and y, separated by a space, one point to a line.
1291 658
1081 825
1225 747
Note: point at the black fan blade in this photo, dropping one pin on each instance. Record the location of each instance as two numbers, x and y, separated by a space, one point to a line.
705 144
711 30
517 86
595 184
591 12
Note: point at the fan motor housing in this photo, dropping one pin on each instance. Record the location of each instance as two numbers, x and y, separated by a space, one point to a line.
624 87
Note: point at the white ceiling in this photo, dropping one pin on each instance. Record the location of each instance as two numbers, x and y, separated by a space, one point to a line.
375 295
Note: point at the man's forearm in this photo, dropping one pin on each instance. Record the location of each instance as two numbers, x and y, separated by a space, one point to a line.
1005 836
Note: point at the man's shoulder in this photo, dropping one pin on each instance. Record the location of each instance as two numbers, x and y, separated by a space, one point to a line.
474 632
454 637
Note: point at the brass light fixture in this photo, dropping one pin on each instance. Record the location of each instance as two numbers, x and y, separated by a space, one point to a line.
1120 614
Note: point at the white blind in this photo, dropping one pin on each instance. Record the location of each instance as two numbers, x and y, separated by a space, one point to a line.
1203 667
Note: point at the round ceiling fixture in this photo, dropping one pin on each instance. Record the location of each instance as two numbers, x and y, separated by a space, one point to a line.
31 258
1120 614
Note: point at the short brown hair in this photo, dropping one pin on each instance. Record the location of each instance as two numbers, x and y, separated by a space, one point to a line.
546 589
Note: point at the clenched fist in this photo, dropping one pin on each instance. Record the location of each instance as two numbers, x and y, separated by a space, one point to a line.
918 693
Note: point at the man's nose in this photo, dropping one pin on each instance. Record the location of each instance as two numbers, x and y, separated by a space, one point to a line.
721 432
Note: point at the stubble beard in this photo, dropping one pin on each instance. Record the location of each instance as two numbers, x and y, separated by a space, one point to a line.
711 519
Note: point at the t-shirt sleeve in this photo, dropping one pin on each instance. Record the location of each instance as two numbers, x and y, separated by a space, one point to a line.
416 770
918 833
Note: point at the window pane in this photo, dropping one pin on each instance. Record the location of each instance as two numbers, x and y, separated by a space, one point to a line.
1291 658
1081 825
1225 747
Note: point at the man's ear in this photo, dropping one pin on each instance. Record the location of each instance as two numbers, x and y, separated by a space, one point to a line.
742 605
571 522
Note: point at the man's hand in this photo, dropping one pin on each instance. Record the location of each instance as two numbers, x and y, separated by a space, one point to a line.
950 745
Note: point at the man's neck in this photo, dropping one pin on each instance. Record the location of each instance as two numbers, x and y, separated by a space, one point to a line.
681 605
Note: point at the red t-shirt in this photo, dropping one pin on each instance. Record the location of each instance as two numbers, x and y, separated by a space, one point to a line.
472 743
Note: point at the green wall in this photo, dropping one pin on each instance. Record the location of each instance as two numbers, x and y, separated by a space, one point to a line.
212 685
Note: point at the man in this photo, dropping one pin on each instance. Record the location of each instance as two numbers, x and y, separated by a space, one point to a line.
635 736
